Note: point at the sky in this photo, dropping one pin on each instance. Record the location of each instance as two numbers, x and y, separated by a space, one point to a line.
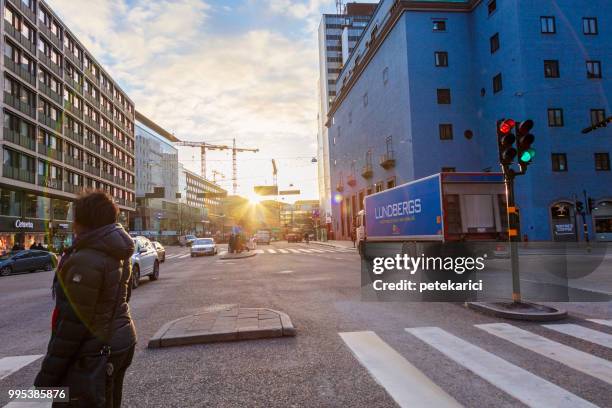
212 71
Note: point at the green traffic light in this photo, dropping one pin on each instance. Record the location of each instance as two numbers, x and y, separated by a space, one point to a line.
527 155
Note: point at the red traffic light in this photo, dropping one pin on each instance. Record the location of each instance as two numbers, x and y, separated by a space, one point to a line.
506 126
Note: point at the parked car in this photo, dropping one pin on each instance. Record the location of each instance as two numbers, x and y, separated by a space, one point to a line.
161 251
187 240
145 261
30 260
263 237
294 237
203 246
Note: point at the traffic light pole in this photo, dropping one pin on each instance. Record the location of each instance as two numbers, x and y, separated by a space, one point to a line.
514 233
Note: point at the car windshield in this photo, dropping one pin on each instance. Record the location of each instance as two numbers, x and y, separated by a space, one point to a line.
206 241
190 237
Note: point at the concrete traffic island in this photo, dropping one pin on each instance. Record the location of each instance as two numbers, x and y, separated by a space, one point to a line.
229 324
241 255
518 311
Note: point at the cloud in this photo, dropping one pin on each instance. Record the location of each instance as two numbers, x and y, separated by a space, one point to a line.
299 9
257 86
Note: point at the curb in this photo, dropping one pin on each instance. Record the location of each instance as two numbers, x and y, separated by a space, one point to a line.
228 257
331 245
538 313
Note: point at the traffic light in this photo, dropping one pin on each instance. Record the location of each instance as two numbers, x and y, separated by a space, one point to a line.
505 141
524 141
579 207
590 204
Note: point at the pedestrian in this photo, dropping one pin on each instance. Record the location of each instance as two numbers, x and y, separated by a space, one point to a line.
230 243
92 334
354 236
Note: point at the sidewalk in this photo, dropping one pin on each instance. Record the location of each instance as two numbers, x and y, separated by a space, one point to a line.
336 244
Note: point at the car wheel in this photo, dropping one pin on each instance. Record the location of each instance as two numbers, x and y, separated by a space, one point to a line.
155 275
135 277
6 271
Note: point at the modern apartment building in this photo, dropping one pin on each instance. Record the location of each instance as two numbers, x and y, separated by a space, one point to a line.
157 178
338 34
426 84
66 126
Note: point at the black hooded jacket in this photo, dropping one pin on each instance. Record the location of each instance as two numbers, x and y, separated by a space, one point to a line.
93 280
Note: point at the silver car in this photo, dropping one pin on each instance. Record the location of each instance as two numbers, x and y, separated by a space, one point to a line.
203 246
145 261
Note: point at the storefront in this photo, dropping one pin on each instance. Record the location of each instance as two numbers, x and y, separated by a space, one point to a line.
602 220
563 222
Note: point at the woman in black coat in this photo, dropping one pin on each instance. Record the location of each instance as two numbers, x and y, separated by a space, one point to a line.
93 336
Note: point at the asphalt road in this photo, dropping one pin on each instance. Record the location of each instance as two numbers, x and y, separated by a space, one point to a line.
373 363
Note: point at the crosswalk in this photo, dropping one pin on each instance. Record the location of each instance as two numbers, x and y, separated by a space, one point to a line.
277 251
410 387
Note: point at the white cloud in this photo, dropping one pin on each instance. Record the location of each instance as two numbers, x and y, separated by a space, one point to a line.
257 86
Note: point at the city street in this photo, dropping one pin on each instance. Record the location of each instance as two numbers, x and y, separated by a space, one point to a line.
347 353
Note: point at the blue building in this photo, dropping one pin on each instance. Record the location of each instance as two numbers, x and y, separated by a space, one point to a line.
426 84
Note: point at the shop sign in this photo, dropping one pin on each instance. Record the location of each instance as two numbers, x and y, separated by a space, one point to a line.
564 229
19 224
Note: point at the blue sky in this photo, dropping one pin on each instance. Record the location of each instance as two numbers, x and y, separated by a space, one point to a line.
212 70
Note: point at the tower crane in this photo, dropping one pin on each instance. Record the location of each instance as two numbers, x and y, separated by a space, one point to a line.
217 173
207 146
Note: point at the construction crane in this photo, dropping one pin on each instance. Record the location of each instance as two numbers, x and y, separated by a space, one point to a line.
217 173
274 173
207 146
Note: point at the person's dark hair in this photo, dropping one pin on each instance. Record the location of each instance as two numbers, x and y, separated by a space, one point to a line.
95 209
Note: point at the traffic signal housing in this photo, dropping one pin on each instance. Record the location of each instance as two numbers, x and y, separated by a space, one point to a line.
505 141
524 140
579 207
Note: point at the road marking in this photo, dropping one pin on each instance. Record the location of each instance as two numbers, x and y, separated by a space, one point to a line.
259 251
271 251
294 251
594 336
222 253
283 251
576 359
528 388
304 250
316 250
406 384
9 365
183 256
601 321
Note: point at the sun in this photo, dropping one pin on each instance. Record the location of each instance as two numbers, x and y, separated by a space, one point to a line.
254 198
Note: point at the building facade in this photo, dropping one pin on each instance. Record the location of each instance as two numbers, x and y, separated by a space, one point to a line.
425 86
338 35
66 126
157 178
201 211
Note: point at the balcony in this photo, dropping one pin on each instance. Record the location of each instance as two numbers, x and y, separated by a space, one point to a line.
23 40
74 59
47 32
387 160
106 92
367 172
73 109
74 136
47 182
108 176
54 96
71 188
18 104
130 204
18 174
107 133
107 112
20 71
351 181
49 122
120 181
92 170
92 123
19 139
92 77
340 187
74 162
108 155
131 186
44 58
49 152
90 98
92 146
74 84
29 13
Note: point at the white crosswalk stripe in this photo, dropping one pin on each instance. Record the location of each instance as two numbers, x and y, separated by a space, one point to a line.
283 251
601 321
576 359
408 386
184 256
223 253
293 251
584 333
259 251
9 365
317 250
307 251
271 251
528 388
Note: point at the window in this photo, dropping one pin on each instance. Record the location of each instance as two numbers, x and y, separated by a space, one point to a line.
593 69
547 25
444 96
589 26
559 162
446 131
448 169
391 182
492 6
602 162
551 69
555 117
497 83
597 116
441 58
439 25
494 42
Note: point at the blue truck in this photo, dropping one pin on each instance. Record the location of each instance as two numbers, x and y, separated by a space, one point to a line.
444 207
